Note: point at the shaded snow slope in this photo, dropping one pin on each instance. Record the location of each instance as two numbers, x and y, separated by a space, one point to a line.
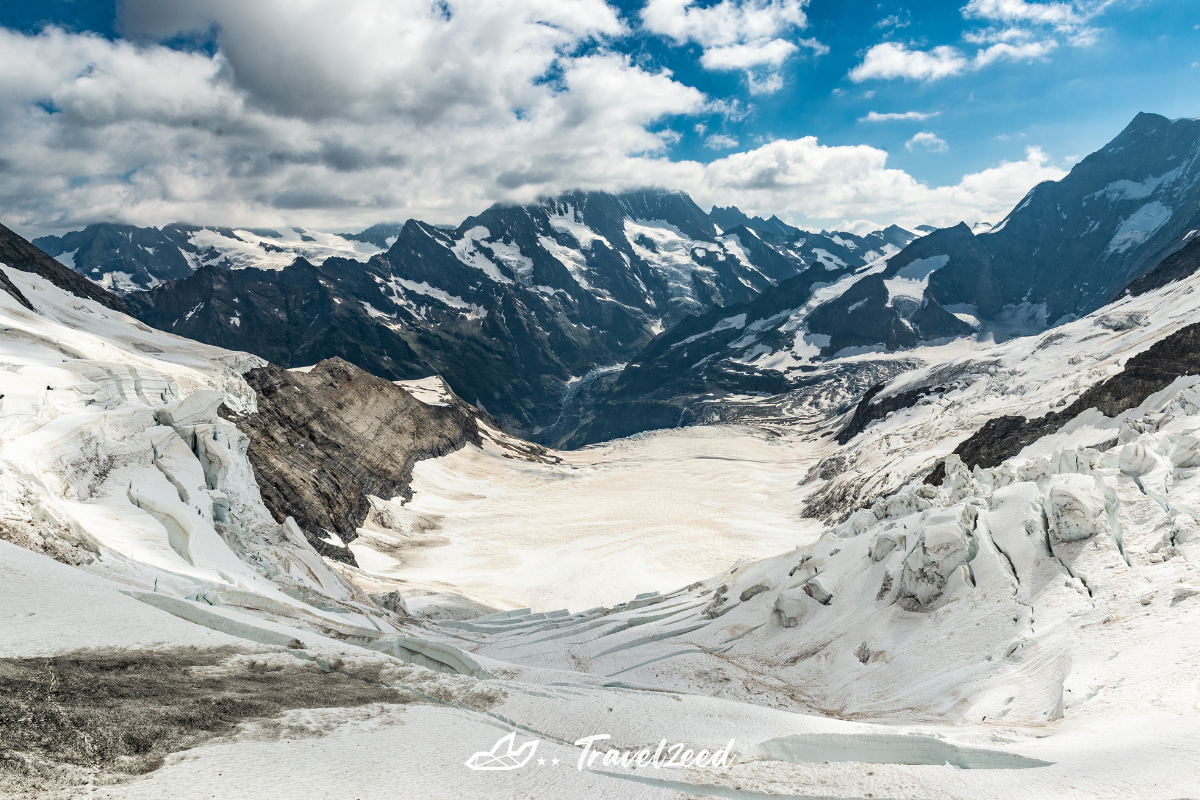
1026 630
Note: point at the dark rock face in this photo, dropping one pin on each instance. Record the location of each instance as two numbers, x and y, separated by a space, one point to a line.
685 373
147 255
1146 373
732 217
1068 248
506 349
20 254
7 285
126 259
868 411
619 261
377 235
681 365
323 441
867 316
1175 267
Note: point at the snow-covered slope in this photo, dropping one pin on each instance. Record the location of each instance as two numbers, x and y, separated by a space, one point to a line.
1044 603
515 533
1022 630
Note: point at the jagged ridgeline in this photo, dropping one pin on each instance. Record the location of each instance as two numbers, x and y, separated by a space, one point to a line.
524 310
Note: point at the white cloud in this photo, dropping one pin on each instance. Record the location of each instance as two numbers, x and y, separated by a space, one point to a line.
306 117
735 34
860 227
894 60
894 21
818 48
726 23
875 116
807 181
719 141
1020 31
1020 18
1064 16
767 84
340 114
927 140
733 110
771 52
1002 51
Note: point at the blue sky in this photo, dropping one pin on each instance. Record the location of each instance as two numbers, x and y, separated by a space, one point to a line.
435 111
1070 102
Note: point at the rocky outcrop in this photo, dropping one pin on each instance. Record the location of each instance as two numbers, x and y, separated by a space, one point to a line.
1175 267
868 411
322 442
1146 373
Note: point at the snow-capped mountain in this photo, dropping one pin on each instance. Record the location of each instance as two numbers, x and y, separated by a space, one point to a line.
125 258
1066 249
519 308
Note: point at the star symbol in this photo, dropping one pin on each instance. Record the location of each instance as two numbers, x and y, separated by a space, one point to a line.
541 762
554 762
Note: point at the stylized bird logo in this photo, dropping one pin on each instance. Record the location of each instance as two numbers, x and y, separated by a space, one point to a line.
502 756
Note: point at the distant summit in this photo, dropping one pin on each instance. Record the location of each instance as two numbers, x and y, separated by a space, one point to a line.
731 217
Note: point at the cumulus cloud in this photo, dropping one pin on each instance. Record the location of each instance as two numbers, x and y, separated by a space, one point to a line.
377 109
805 180
875 116
726 23
1012 11
767 84
894 60
735 34
818 48
772 53
1009 19
927 140
1003 51
1018 31
338 116
719 141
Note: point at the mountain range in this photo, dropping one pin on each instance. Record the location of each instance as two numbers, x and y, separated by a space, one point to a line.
1067 248
514 308
592 315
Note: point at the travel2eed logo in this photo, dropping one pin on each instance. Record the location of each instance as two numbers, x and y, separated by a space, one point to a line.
506 756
